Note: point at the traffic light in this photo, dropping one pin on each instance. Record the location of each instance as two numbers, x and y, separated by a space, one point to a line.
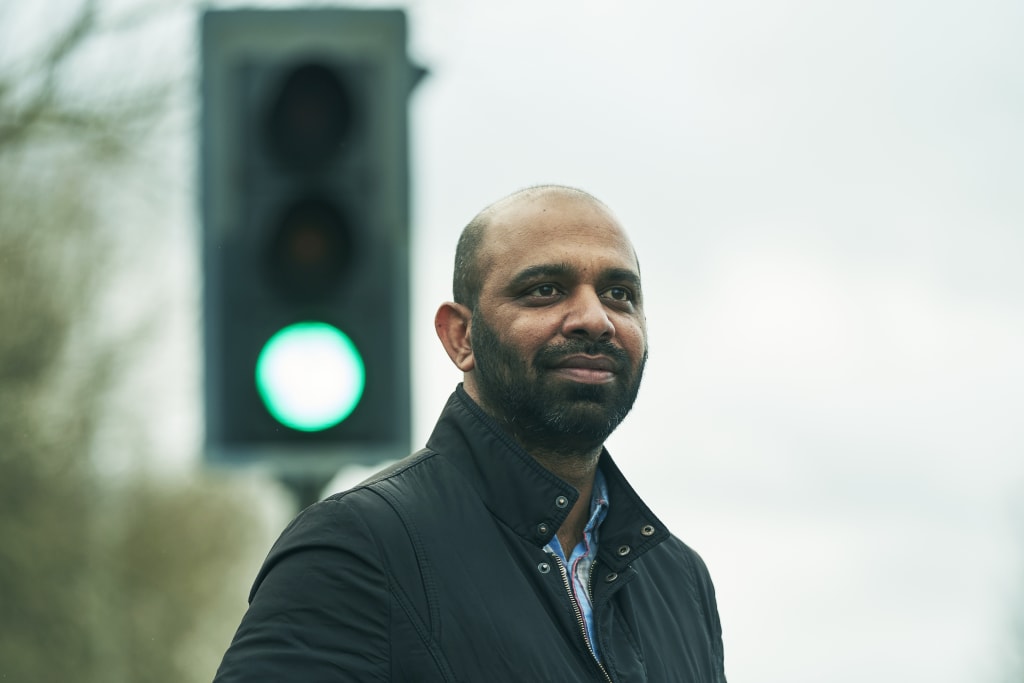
304 166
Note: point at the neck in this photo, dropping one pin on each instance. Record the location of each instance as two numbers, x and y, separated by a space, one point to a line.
576 469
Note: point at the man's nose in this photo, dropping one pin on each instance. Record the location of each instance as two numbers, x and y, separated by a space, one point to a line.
587 317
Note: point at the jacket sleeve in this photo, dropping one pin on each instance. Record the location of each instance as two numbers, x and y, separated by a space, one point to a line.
319 609
714 624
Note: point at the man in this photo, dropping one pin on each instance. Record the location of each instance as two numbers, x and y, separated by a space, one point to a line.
511 548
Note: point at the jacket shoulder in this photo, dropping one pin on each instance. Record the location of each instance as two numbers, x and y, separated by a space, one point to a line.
367 515
679 558
340 579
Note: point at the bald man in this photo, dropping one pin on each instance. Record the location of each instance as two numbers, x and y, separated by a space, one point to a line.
511 548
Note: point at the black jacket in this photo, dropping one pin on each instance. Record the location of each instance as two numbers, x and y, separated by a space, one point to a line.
434 570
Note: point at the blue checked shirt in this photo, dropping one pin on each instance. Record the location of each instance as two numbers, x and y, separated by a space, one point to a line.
579 562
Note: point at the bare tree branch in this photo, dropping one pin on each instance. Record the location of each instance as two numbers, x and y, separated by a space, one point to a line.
44 112
20 120
128 610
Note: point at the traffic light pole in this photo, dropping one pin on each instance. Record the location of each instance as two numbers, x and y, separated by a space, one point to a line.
306 489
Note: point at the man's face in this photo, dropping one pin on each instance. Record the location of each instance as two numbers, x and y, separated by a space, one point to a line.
558 335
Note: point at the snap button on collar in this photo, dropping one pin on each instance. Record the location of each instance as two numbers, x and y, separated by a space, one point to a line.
647 530
561 502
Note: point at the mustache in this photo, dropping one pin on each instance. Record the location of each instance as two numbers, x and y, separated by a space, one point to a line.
552 355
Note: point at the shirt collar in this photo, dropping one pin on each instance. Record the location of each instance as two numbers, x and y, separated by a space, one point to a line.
598 502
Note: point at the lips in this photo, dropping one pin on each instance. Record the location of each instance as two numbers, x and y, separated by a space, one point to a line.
588 363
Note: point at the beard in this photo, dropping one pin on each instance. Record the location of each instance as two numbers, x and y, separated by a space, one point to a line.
544 411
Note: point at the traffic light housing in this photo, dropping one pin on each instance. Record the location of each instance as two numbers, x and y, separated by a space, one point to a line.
304 165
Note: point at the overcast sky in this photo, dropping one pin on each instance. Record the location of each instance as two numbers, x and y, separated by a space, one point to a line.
826 201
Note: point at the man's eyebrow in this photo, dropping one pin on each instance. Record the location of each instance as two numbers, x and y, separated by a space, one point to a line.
564 270
622 275
539 272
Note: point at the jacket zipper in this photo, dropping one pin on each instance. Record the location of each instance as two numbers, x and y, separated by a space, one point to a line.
579 611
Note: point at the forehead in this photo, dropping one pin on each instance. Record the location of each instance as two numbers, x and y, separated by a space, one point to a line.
554 229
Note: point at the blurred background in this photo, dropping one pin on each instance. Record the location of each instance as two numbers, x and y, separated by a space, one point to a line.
826 200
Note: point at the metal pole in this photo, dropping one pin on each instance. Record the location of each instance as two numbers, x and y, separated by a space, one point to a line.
305 489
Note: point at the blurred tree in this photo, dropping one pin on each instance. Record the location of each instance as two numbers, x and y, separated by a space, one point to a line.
129 579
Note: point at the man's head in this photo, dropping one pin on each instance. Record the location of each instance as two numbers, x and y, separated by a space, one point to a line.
548 323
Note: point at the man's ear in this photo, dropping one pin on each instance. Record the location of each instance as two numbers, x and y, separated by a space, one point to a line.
452 324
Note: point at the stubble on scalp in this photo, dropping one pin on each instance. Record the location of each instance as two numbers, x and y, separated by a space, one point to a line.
469 269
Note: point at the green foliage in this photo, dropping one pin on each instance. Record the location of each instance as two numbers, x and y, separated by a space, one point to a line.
130 579
44 488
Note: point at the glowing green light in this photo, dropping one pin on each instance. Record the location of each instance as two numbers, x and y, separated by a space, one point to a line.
310 376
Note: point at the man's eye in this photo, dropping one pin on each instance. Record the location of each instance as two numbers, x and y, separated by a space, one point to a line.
544 291
619 294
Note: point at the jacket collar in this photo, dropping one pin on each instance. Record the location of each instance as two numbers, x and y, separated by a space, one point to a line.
528 498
